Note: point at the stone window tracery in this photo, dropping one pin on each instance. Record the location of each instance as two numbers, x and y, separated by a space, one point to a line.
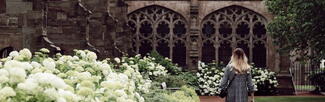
231 27
161 29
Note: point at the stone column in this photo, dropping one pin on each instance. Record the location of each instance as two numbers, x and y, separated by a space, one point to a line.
194 37
286 86
122 42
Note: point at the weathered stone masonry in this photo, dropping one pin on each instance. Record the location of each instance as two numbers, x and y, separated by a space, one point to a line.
63 25
101 26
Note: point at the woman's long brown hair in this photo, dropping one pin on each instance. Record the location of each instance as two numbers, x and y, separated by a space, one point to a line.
239 61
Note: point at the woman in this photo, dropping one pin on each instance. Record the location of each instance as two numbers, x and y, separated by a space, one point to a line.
239 70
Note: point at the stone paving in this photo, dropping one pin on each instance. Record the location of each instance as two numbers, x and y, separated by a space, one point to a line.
211 99
218 99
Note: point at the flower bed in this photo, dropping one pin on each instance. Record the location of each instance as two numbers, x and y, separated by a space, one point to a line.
265 81
78 78
209 77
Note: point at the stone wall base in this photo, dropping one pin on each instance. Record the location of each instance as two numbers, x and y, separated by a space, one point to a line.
286 86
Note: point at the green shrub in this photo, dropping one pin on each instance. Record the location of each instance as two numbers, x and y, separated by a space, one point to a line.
172 80
317 78
190 78
185 94
166 62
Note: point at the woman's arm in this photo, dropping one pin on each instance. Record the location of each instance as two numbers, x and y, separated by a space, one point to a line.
250 83
251 88
224 80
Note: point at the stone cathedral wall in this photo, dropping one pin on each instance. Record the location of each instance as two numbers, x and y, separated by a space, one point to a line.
69 24
100 25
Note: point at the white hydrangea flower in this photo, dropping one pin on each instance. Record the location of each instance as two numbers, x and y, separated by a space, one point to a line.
74 58
26 65
49 63
84 76
3 79
17 64
117 60
7 92
51 93
115 81
68 95
82 53
16 75
61 99
45 50
35 64
48 78
13 54
85 91
129 71
140 99
29 85
26 53
91 56
4 72
120 93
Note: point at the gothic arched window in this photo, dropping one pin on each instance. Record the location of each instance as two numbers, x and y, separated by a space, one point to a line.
232 27
161 29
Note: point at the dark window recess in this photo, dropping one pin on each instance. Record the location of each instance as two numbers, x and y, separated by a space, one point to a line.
145 47
259 58
208 52
179 54
208 29
2 6
225 52
163 48
5 52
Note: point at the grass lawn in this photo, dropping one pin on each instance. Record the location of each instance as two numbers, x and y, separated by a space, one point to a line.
305 87
290 99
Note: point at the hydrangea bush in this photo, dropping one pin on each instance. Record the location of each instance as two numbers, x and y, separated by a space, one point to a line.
64 78
145 65
25 77
209 77
160 70
265 81
172 68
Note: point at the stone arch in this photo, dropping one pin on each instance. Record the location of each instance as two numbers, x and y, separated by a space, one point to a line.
211 6
232 27
181 7
160 29
160 6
